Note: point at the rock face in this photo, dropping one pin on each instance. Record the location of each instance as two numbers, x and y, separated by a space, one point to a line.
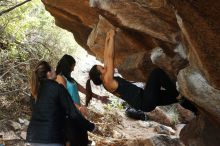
123 131
196 132
187 30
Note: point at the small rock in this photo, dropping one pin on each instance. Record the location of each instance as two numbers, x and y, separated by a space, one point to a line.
116 134
165 140
143 124
179 127
159 116
26 122
21 121
10 135
161 129
23 134
15 125
185 116
147 124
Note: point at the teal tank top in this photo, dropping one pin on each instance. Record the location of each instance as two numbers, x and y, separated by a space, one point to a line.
73 91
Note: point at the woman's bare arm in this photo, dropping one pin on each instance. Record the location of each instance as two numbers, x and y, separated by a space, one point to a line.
104 99
61 80
109 56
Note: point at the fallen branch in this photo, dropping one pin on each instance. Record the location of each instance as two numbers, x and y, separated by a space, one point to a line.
17 65
9 92
12 8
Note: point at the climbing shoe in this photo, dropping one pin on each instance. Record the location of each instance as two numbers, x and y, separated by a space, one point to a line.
136 114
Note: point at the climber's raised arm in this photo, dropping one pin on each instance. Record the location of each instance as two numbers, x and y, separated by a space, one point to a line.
109 56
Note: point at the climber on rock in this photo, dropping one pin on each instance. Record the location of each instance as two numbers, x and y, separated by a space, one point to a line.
146 99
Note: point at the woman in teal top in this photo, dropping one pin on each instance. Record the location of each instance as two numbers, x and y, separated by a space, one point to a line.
73 91
64 68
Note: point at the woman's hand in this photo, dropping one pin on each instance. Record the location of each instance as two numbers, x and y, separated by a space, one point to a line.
96 130
83 110
104 99
111 33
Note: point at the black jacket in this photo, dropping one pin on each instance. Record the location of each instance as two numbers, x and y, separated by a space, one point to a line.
50 112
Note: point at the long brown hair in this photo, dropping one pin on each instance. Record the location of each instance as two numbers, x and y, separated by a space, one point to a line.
38 74
94 75
64 66
88 92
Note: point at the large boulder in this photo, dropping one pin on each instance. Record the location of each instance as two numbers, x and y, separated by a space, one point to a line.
186 28
198 132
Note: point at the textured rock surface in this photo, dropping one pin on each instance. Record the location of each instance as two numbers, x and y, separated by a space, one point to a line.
75 16
146 24
186 28
199 24
123 131
198 132
197 89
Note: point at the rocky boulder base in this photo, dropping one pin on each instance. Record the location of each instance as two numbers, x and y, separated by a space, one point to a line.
188 31
115 129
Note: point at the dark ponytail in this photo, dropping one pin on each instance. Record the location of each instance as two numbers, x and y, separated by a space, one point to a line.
88 92
38 74
94 75
64 66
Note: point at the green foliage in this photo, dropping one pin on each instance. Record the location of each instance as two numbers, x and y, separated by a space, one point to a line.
115 103
173 114
30 31
27 34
